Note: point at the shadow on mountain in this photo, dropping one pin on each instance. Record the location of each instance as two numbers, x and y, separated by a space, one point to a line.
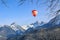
52 33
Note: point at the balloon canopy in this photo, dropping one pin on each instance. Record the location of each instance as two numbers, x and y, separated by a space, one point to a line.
34 13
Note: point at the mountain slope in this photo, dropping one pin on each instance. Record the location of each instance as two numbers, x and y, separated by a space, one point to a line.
53 22
5 31
52 31
31 31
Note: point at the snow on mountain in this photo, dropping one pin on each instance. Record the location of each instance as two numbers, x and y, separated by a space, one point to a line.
14 27
25 27
10 31
55 20
33 25
17 27
6 30
37 24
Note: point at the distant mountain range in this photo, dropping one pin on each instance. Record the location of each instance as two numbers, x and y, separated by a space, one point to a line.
8 31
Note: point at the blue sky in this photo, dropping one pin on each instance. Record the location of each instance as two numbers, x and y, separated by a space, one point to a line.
22 14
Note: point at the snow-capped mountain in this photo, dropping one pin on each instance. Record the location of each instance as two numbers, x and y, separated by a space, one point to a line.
5 31
11 30
17 27
38 23
34 26
14 29
53 22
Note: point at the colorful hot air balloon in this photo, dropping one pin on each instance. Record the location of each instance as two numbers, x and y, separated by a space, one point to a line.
34 13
